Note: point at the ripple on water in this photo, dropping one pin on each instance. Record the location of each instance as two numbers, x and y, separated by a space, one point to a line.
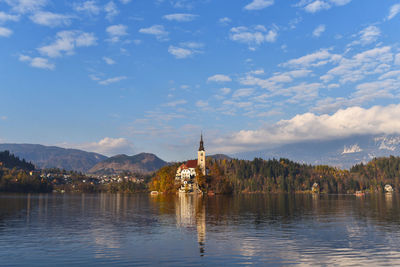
120 230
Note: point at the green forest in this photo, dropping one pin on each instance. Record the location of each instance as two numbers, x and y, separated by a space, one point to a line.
283 175
15 177
225 176
8 160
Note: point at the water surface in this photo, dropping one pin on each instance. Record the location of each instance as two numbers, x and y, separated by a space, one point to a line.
126 230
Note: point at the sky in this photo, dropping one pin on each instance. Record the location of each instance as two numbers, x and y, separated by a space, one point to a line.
130 76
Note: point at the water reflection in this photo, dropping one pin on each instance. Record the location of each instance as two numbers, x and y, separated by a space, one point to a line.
118 229
190 212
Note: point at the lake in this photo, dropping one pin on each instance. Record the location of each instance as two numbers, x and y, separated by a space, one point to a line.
126 230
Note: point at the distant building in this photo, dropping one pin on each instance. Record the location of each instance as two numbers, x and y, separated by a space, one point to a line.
388 188
187 170
186 173
315 188
201 156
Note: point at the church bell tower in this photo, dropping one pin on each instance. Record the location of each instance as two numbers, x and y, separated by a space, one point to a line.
201 156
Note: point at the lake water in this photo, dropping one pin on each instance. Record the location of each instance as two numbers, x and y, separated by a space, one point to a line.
126 230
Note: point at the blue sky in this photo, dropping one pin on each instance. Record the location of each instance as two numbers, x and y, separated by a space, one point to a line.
149 75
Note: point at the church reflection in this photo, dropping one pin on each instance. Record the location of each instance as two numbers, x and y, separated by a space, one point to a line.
190 213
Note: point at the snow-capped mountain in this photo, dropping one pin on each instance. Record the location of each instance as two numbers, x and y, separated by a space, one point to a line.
351 149
388 142
342 153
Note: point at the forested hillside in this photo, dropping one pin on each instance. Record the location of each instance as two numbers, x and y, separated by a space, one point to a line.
10 161
283 175
15 177
45 157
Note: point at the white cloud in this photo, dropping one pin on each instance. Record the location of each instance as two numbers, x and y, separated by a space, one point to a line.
202 104
157 30
340 2
93 77
4 17
90 7
397 59
315 59
369 35
185 4
390 74
112 80
394 10
220 78
3 118
308 126
109 61
26 6
301 93
254 36
225 90
319 30
317 6
181 17
37 62
278 81
179 52
66 42
4 32
51 19
245 92
175 103
256 72
361 65
259 4
109 146
125 1
185 49
365 93
116 32
111 10
225 20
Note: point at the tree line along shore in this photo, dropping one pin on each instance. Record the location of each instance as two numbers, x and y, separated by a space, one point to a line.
226 176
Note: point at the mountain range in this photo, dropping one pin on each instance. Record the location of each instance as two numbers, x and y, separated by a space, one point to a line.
342 153
44 157
55 157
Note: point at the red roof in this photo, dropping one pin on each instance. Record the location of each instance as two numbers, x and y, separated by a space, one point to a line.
191 163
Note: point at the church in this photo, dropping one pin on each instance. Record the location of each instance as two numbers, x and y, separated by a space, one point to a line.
186 173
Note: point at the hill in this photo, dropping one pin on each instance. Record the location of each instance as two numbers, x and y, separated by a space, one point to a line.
140 163
342 153
219 157
10 161
54 157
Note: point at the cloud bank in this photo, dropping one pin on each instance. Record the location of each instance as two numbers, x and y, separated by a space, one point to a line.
308 126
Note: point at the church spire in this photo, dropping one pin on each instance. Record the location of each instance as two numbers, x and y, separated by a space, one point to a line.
201 148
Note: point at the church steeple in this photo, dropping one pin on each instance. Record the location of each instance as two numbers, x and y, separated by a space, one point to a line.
201 148
201 156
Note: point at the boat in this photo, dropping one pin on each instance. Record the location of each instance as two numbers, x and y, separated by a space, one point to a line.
154 193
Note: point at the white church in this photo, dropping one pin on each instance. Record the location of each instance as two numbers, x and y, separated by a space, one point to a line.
186 173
